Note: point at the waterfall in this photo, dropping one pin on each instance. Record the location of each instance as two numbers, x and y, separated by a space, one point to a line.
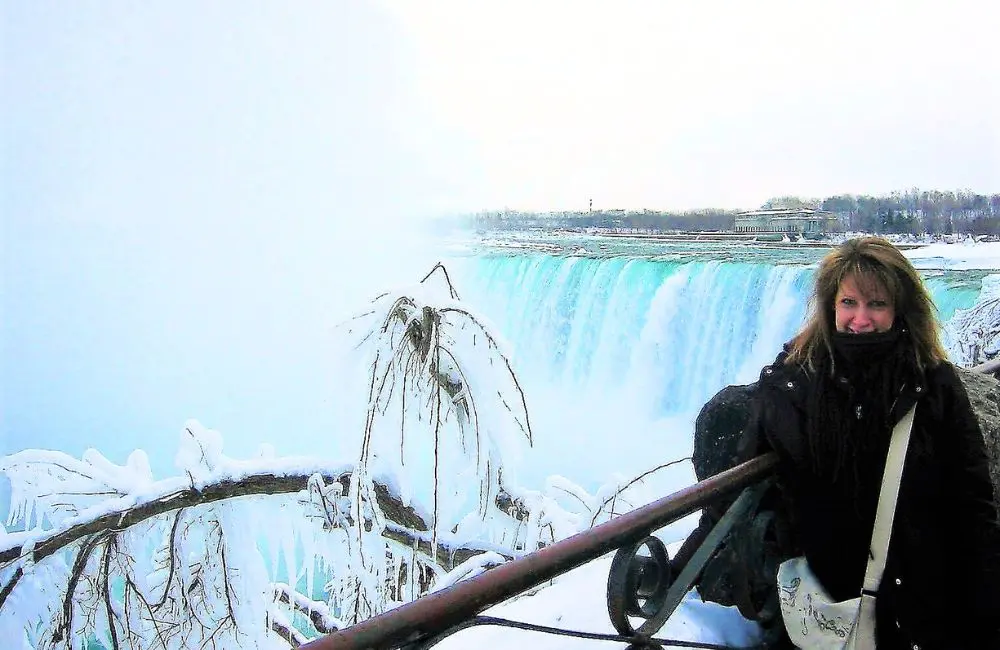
666 333
630 348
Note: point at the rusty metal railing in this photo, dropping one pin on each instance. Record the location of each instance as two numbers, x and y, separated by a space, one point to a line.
639 585
991 367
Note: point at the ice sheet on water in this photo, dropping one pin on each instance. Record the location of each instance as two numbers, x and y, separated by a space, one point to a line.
965 255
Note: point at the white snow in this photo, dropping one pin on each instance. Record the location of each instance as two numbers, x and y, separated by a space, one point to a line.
965 255
577 601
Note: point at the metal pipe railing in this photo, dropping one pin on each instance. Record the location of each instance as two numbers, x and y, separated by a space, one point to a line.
437 612
991 367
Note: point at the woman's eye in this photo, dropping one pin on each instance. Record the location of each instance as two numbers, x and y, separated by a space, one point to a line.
848 302
879 304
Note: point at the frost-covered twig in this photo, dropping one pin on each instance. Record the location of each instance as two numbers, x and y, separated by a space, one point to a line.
449 553
611 499
109 609
65 629
440 267
526 426
10 584
454 387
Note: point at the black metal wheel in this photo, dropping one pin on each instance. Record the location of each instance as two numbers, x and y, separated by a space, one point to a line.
638 583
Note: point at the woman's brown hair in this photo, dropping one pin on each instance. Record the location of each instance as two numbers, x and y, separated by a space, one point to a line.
874 263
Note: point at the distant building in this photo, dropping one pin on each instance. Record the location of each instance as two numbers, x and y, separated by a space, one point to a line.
790 220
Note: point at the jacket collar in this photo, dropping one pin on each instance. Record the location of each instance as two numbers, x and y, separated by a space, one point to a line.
793 380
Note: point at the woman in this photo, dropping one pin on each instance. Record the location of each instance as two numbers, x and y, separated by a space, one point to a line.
827 405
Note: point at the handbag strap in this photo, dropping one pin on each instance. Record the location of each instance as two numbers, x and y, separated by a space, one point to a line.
887 502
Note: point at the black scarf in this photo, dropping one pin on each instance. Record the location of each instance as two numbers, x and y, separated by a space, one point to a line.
850 410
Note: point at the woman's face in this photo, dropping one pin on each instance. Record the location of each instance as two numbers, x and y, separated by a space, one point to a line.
860 313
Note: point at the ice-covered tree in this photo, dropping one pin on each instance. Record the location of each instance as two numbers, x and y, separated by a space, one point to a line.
269 551
973 335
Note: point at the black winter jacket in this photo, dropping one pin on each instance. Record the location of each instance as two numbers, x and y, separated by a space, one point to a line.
941 587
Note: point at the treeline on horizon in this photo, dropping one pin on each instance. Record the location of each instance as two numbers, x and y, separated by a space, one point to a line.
913 212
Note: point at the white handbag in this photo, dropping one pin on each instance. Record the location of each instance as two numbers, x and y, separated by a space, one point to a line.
812 619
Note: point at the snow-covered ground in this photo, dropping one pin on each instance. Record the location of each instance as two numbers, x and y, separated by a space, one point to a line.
577 601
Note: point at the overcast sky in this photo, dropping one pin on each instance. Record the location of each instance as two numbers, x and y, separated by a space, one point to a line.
430 107
189 190
715 103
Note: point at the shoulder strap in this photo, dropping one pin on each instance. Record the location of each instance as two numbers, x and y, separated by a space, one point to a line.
887 502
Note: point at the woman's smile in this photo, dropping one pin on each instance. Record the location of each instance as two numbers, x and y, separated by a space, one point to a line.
859 313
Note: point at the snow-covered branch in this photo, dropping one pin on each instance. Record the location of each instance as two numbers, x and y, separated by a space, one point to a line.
104 552
281 626
316 611
163 497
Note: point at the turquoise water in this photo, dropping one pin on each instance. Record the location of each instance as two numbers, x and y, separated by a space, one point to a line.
687 326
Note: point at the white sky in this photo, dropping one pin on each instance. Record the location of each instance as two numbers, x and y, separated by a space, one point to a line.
687 104
415 108
191 195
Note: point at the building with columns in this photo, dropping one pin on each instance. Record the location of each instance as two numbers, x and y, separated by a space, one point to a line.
786 220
